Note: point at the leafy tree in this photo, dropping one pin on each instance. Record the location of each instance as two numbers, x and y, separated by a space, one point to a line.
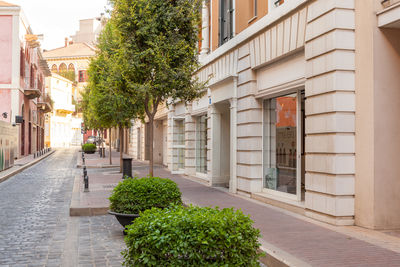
158 40
104 106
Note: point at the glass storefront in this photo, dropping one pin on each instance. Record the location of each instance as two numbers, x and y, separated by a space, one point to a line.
201 144
178 156
283 138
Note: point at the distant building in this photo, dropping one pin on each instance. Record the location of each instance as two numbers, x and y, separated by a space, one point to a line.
89 30
69 65
23 69
71 61
63 126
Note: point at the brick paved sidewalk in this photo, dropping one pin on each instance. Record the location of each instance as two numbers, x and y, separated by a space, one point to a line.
21 164
95 161
290 238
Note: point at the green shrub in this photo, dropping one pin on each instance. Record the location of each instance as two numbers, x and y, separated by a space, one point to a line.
89 147
192 236
134 195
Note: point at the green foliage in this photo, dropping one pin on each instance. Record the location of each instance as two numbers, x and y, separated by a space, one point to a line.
102 104
70 75
133 195
158 41
192 236
89 147
158 53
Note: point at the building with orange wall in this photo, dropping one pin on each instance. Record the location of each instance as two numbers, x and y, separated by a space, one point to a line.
298 96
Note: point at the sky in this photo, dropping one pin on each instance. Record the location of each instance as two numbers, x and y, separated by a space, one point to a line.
57 19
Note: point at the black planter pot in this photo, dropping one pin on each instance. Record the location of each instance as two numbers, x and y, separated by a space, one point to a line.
90 152
124 219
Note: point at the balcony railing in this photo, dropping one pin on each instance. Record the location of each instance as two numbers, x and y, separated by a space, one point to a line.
45 103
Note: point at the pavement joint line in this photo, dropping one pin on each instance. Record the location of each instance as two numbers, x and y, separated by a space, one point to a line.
25 166
274 256
278 257
363 234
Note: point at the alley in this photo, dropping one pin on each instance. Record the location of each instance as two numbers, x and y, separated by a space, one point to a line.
35 227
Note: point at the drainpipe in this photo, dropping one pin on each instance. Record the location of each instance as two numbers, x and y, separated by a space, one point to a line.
233 154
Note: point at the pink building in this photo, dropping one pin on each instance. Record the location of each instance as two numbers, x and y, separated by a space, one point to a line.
23 102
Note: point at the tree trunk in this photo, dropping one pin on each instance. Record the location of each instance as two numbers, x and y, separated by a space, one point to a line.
151 137
109 144
121 145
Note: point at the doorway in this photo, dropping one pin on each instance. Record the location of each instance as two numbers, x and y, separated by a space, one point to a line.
221 146
165 143
139 143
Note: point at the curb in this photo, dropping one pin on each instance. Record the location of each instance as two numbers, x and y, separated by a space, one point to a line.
76 210
33 162
97 166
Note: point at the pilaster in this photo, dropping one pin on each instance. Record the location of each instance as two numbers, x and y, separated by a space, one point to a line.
190 142
330 111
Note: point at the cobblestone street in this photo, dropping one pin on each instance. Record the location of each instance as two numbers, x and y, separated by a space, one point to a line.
35 226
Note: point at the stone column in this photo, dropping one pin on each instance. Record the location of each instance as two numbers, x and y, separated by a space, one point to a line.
205 31
190 142
329 110
233 154
215 121
170 132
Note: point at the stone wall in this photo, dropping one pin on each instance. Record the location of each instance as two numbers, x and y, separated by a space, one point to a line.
8 145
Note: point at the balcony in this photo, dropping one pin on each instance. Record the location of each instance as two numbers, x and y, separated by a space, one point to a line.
45 104
64 108
389 17
32 93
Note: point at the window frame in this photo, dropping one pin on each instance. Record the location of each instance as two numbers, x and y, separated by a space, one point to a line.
299 146
176 147
197 148
230 21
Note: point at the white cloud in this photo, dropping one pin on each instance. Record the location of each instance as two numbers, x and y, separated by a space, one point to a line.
57 19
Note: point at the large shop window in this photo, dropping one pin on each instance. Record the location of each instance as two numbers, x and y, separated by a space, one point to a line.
201 144
284 145
178 148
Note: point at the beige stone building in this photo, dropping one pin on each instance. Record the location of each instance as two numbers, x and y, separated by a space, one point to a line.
300 112
73 60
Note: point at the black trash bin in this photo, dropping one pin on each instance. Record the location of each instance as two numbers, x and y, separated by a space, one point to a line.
127 167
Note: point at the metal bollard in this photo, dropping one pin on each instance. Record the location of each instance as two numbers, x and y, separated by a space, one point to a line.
86 181
34 155
83 160
84 171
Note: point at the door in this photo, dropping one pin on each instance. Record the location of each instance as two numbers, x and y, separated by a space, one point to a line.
139 143
165 141
30 138
23 138
147 142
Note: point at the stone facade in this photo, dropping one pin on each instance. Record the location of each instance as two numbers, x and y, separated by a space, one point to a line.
301 51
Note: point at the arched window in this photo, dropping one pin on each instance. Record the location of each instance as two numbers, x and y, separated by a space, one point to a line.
62 68
54 68
71 67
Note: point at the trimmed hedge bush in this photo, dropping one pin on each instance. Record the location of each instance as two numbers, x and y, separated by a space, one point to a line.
192 236
89 147
134 195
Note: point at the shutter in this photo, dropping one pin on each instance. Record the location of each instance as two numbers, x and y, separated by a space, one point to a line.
22 64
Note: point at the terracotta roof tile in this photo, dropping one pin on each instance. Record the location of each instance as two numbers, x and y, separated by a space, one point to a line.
72 50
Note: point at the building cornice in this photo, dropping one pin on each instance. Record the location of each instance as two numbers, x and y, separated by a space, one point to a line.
272 17
67 58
